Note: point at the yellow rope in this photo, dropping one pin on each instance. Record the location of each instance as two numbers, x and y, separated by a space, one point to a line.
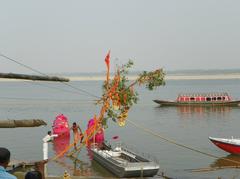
83 143
62 152
178 144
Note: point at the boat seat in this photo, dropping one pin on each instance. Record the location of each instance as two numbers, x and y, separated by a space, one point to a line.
108 153
120 160
112 153
117 149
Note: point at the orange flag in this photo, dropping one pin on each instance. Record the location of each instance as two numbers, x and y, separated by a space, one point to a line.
107 61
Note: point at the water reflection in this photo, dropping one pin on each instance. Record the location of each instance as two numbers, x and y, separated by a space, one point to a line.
227 161
202 110
61 143
81 168
76 167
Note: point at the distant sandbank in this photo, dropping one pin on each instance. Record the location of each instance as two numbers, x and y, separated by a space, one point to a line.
133 77
168 77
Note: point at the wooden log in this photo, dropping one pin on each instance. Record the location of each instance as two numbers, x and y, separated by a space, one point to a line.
32 77
22 123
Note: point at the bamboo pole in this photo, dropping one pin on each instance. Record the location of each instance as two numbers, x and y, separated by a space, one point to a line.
209 169
22 123
33 77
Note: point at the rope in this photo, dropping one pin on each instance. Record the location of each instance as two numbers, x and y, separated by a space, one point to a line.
37 71
211 168
178 144
46 99
21 64
53 87
62 152
92 133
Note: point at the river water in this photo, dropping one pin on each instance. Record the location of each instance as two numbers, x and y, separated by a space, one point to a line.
190 126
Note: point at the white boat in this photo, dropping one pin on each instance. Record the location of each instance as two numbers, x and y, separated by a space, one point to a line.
124 163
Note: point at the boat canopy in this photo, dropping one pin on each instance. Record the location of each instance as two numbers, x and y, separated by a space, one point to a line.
203 97
215 94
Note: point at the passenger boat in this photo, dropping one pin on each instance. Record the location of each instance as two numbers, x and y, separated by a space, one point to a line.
205 99
229 145
122 162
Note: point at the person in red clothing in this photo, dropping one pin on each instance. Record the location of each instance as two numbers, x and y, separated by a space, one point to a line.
77 132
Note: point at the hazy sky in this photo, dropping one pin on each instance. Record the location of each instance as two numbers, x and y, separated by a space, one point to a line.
74 36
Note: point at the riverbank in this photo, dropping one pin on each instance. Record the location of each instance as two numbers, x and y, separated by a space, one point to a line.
168 77
134 77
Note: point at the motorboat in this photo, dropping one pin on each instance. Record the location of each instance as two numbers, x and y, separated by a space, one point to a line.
230 145
122 162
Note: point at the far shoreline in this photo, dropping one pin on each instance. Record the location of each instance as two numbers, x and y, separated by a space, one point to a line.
134 77
167 77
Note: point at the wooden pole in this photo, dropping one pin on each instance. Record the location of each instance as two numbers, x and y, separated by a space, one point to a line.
22 123
33 77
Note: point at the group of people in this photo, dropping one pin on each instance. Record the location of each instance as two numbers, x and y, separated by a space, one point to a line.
77 133
39 172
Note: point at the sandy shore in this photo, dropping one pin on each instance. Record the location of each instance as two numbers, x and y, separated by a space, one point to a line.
168 77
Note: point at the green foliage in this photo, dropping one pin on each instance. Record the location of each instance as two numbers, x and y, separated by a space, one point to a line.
152 79
119 95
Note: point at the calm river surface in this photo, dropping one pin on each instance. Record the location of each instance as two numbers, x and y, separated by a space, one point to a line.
188 126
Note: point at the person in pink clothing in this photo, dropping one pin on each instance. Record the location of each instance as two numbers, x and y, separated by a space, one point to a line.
99 136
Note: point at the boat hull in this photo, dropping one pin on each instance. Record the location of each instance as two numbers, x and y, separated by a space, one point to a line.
149 169
227 145
194 103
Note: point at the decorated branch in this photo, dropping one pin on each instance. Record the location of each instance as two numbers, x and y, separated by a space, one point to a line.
117 99
119 94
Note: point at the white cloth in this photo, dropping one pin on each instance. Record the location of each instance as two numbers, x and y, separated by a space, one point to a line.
47 139
45 150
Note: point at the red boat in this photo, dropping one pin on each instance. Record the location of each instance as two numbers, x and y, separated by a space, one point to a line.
229 145
202 99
